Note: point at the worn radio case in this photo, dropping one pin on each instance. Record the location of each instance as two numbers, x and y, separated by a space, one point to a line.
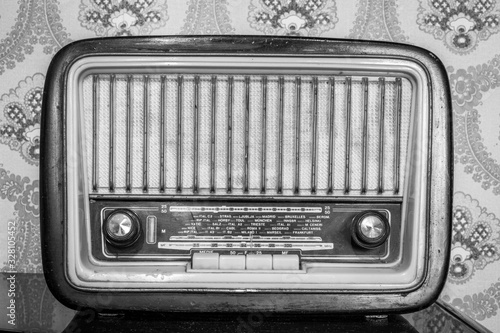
56 224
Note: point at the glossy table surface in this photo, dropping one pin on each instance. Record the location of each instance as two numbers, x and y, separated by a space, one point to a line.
36 310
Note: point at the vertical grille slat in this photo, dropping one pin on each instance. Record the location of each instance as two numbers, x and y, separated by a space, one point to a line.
264 135
180 82
112 111
397 134
314 134
381 110
281 108
95 103
196 119
364 135
212 132
298 83
246 134
347 177
128 183
331 136
145 157
162 132
230 99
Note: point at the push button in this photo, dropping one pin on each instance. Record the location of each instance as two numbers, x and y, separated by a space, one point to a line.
285 262
205 261
259 261
233 262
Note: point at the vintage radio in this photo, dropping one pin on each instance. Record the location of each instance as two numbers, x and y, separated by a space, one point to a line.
245 174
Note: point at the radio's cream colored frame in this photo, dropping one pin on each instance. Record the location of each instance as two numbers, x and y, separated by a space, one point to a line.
84 271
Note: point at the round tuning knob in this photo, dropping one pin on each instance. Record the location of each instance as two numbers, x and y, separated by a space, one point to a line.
122 228
370 229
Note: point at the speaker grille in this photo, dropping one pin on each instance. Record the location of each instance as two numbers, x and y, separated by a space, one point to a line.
246 134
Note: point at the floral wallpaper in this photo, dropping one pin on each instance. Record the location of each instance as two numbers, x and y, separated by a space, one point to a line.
460 24
123 18
462 33
298 18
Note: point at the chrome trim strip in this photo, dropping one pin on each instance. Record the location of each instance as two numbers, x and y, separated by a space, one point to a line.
77 233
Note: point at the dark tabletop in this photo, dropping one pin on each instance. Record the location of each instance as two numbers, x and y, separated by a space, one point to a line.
36 310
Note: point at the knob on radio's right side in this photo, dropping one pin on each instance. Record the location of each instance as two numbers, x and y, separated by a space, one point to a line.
369 229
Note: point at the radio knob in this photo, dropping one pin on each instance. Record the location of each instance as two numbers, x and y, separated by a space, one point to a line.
122 228
370 229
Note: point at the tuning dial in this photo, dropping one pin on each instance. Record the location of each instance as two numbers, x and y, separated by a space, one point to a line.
370 229
122 228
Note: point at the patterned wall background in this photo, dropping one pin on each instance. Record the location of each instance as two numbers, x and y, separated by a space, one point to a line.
463 33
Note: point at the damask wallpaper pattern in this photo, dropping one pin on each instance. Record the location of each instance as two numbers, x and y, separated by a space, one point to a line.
463 33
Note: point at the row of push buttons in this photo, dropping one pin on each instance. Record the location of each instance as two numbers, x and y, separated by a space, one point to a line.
245 262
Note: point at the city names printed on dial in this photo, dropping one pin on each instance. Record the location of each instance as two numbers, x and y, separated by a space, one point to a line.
261 221
250 227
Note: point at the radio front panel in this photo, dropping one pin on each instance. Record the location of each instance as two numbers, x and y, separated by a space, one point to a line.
314 170
173 230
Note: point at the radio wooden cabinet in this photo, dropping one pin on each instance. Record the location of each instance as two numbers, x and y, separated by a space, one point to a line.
245 173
